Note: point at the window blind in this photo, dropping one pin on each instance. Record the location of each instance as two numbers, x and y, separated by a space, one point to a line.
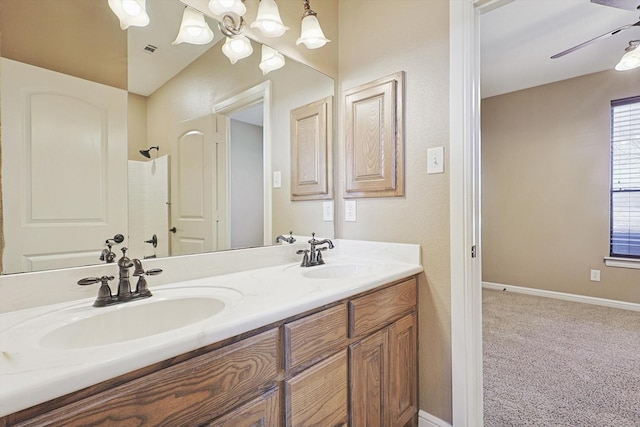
625 178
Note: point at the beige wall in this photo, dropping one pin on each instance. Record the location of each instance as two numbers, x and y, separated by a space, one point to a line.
211 79
76 37
545 186
136 125
377 40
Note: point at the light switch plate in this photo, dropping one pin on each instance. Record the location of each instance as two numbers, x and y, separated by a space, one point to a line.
277 179
327 211
350 210
436 160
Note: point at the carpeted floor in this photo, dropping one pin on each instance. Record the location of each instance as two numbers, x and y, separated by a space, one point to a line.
550 362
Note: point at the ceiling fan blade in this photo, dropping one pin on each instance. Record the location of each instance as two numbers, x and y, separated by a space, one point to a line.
581 45
620 4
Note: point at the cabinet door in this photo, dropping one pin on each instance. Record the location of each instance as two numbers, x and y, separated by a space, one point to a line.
369 367
403 371
261 412
318 396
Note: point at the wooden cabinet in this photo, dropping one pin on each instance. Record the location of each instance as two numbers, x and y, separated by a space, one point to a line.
352 363
383 366
261 412
318 396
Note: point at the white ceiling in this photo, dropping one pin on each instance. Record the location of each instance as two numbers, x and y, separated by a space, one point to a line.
518 39
149 71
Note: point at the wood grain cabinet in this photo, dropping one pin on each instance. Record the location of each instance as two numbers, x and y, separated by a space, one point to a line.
351 363
383 366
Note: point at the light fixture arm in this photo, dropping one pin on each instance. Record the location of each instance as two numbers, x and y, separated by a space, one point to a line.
229 27
307 9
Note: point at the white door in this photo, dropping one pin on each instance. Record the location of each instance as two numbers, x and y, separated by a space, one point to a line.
194 187
64 167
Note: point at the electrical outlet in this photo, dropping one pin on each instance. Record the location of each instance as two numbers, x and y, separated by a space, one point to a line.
327 211
350 210
595 275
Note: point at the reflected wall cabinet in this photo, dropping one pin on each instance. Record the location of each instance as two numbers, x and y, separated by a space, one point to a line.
374 138
311 131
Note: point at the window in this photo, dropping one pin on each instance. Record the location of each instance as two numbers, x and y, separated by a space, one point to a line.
625 178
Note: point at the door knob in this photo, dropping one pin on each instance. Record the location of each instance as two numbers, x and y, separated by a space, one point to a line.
173 229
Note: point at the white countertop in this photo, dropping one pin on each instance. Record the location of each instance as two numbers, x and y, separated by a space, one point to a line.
31 374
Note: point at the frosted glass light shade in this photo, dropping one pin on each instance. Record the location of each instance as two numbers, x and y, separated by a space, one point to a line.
236 48
268 20
271 60
222 7
311 34
194 28
131 13
629 60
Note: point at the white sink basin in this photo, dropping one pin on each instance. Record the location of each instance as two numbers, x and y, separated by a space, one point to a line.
130 322
339 271
80 325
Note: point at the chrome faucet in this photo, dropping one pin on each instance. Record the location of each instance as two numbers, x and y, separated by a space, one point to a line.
289 239
313 256
124 294
107 255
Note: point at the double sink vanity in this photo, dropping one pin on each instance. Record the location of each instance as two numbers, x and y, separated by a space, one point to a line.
242 338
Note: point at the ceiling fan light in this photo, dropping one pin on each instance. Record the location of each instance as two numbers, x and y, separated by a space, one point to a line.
237 48
311 34
131 13
222 7
271 60
629 60
194 28
268 20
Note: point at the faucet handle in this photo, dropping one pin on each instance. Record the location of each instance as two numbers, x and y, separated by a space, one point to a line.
153 272
104 293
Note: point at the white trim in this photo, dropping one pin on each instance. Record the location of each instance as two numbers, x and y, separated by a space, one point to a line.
624 305
622 262
260 92
425 419
466 288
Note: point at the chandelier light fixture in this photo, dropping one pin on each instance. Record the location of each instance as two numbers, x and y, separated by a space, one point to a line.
311 34
223 7
193 28
268 20
631 59
130 12
271 60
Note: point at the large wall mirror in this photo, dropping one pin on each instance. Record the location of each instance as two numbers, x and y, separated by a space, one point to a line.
108 131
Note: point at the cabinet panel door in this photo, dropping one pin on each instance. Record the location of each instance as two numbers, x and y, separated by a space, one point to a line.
261 412
403 372
369 367
318 396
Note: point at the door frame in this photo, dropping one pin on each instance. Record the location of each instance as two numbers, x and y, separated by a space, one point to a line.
225 108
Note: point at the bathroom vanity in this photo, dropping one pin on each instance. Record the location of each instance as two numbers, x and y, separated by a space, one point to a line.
330 345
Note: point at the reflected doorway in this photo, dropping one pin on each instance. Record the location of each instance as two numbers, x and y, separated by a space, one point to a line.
246 174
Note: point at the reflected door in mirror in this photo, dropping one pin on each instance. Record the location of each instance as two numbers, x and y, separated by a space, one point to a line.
63 141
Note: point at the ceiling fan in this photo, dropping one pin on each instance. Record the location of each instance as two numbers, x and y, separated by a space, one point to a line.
620 4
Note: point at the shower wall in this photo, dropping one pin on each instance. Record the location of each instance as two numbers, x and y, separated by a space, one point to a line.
148 207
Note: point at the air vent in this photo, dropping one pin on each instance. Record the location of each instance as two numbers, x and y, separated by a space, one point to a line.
150 48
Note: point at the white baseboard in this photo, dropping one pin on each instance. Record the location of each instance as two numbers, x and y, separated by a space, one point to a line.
425 419
561 295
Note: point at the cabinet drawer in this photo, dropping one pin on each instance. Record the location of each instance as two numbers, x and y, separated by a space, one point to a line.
188 393
315 337
374 311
